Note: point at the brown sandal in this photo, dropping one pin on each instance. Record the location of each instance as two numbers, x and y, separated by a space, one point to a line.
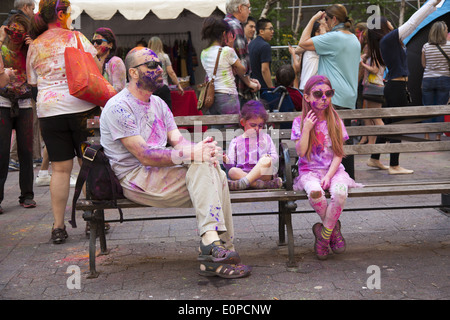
216 252
227 271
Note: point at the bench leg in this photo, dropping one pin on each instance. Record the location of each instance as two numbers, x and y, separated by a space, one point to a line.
97 226
290 207
92 248
445 201
100 218
285 224
291 261
281 224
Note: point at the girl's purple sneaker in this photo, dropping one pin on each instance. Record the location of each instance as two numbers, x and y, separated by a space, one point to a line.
320 245
337 241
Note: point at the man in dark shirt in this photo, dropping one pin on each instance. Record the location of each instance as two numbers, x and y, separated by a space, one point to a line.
261 53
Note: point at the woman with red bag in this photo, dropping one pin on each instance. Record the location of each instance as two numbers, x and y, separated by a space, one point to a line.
62 117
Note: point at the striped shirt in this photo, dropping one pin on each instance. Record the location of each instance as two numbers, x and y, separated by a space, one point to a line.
436 63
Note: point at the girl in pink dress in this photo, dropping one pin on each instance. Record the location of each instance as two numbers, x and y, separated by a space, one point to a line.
252 159
320 134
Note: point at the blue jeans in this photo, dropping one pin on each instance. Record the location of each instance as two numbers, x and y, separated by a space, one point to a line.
225 103
435 91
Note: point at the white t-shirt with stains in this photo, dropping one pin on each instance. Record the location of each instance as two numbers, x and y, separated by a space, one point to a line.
46 68
125 116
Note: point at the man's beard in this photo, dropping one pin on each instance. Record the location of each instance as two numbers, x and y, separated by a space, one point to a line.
149 81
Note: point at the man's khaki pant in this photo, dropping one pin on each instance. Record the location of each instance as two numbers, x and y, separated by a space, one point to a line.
201 186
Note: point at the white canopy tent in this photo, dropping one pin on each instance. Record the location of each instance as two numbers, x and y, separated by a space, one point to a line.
132 20
138 9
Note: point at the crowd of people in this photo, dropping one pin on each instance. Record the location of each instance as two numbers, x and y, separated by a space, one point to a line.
137 124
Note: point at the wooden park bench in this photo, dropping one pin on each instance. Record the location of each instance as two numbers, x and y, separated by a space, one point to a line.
406 130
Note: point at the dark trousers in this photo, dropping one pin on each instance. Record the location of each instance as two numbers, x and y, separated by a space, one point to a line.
395 94
23 124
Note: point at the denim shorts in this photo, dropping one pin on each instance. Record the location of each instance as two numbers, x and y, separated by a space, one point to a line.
225 103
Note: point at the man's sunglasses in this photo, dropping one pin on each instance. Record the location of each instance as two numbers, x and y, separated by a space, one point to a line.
319 93
150 64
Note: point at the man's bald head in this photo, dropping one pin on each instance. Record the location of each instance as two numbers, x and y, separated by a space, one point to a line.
137 56
145 76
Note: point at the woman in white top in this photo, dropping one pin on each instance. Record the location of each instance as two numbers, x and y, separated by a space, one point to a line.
436 76
218 32
62 117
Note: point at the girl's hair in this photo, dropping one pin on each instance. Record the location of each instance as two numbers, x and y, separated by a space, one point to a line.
438 33
373 40
109 36
331 116
253 109
20 19
48 12
315 27
340 12
213 28
156 45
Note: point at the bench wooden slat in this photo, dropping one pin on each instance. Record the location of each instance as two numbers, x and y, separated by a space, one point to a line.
261 195
391 129
277 117
407 147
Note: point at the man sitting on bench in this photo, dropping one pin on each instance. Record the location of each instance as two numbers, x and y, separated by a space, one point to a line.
136 127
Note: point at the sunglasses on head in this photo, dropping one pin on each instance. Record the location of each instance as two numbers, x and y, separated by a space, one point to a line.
98 41
150 64
319 93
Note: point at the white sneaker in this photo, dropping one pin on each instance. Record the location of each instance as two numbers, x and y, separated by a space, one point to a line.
43 181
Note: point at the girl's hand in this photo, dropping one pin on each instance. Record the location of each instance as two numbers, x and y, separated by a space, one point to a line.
325 182
310 121
225 158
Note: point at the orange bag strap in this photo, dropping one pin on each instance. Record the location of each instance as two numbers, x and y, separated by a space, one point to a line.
79 44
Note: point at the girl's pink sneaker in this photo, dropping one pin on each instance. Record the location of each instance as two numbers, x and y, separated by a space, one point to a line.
320 245
337 241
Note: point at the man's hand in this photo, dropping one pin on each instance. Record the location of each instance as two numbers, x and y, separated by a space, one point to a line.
206 151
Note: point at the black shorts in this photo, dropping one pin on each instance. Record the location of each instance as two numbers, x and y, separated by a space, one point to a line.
64 134
373 98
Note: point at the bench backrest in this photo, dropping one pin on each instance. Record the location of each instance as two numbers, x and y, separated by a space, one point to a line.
405 129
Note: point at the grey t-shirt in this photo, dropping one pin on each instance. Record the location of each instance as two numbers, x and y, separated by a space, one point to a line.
125 116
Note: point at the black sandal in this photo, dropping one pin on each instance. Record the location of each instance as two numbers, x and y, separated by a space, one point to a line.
59 235
227 271
216 252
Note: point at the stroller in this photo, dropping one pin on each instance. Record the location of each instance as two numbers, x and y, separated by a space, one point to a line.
278 100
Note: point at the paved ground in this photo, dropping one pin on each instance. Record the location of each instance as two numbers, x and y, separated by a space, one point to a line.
408 249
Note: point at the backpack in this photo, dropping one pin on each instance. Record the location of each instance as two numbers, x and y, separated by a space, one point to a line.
101 182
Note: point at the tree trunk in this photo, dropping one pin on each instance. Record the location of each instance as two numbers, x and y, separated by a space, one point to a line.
266 8
401 18
299 17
